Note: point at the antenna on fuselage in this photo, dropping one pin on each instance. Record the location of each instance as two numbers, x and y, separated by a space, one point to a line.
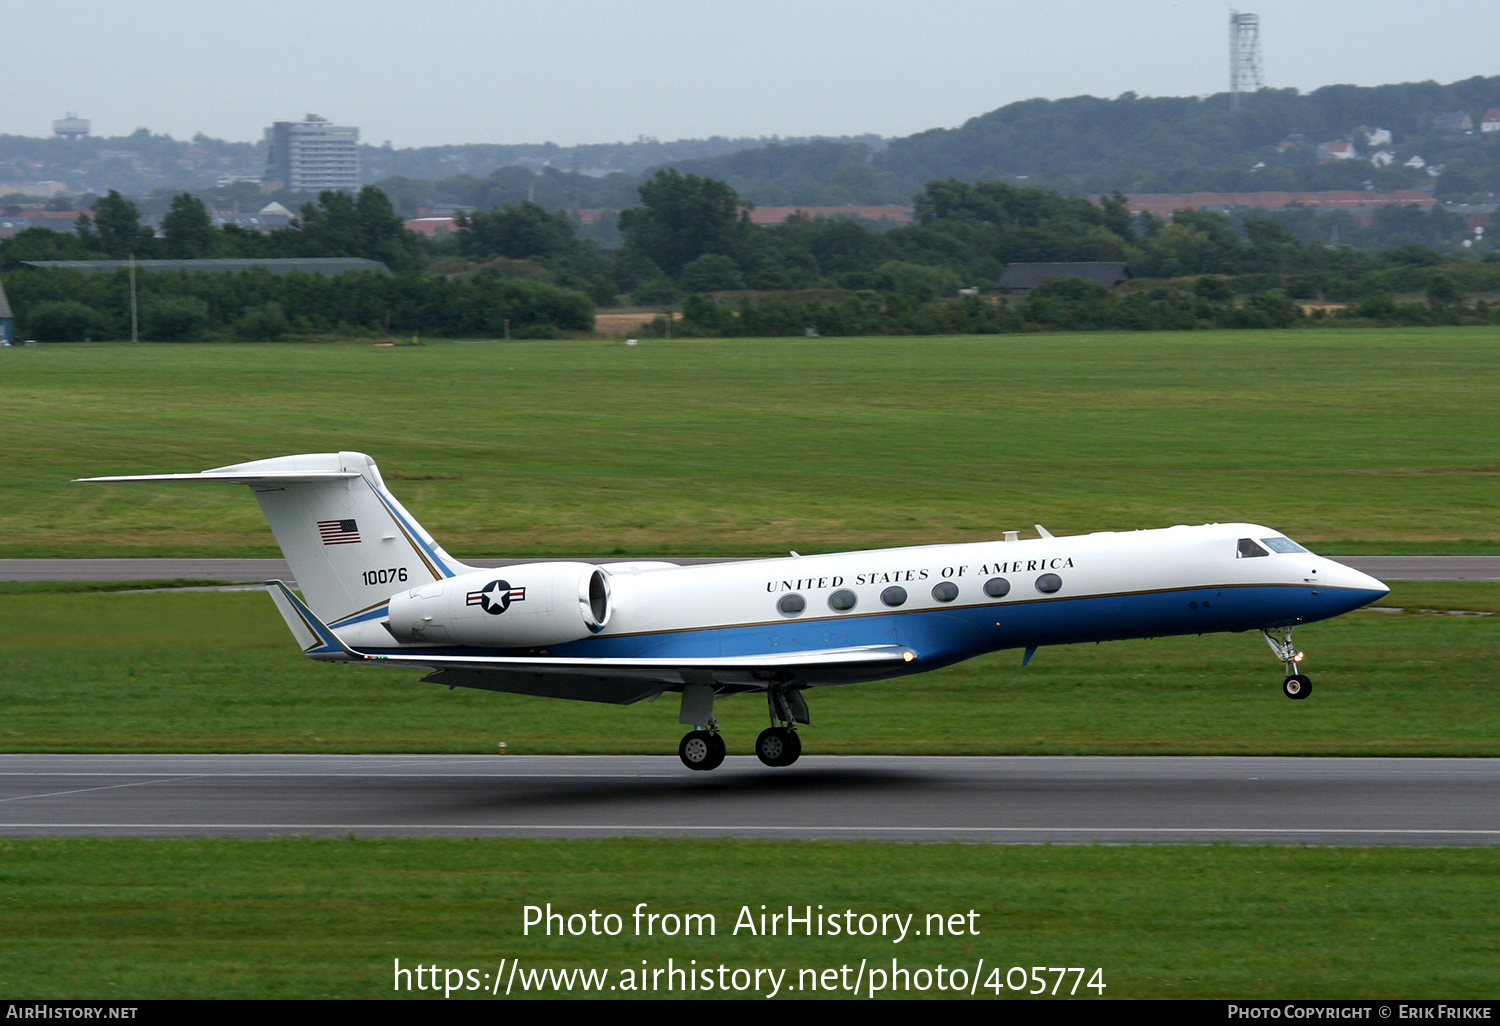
1042 531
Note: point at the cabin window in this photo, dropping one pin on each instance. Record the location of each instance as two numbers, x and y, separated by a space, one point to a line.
791 605
1248 549
1048 583
842 600
893 596
997 587
947 591
1282 545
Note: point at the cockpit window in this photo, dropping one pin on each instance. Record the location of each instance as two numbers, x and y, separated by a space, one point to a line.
1283 545
1248 548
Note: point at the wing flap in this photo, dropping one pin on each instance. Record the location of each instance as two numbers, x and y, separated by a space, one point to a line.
614 691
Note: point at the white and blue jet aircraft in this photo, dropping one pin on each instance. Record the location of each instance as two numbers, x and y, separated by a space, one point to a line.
378 589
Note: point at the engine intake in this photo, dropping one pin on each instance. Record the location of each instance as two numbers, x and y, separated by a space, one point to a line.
525 606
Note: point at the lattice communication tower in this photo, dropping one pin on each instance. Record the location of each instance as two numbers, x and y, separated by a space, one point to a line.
1244 56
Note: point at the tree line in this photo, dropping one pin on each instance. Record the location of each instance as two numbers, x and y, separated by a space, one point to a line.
691 237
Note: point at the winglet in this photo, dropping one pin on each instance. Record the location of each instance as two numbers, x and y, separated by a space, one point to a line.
316 638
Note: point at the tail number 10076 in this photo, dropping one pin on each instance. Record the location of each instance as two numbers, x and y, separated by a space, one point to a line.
391 576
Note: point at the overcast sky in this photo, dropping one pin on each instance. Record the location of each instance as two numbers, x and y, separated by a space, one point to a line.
586 71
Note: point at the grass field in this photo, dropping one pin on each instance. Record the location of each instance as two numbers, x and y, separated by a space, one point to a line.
1358 440
1351 441
218 672
303 918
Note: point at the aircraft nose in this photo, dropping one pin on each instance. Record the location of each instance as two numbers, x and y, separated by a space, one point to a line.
1362 588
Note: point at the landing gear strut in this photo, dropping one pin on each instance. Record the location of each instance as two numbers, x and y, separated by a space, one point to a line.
702 748
1296 684
778 744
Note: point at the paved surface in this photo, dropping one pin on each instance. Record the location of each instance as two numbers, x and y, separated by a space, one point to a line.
1388 568
227 570
1058 799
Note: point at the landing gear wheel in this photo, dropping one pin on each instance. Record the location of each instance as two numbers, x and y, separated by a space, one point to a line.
1296 686
701 750
778 746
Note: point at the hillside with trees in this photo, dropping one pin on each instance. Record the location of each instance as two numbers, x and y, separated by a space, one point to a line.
1188 144
524 270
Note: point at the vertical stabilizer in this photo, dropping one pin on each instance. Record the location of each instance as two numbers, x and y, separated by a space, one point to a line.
350 544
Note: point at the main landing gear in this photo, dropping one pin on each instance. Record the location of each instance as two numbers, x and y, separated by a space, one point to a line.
702 749
1296 685
777 745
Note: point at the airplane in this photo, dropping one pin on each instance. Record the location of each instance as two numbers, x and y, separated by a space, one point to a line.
377 589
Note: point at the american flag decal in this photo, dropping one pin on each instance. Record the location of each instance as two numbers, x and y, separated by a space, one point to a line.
338 532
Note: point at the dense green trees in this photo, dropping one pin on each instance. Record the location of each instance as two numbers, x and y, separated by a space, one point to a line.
64 305
517 232
116 229
188 230
683 217
690 240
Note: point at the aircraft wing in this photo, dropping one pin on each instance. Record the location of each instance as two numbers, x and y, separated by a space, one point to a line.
618 681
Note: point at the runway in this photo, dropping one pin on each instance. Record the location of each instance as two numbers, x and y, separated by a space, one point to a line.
1448 802
1386 568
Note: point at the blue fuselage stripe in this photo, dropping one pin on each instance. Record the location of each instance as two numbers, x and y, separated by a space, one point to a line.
942 636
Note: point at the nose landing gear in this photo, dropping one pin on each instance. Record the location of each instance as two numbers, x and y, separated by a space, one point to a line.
1296 685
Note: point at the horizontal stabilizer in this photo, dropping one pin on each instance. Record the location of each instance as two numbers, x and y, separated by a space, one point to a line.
244 478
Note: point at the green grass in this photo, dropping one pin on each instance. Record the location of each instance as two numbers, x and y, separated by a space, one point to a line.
218 672
81 587
302 918
1369 440
1353 441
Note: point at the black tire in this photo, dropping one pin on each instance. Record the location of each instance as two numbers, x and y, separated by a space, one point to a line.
794 748
716 753
1296 686
778 746
697 750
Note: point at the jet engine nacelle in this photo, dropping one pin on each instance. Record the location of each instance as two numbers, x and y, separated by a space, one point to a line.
525 606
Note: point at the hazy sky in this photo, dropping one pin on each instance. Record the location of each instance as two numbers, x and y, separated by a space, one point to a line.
581 71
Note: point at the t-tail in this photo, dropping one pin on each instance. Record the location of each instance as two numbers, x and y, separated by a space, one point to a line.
349 542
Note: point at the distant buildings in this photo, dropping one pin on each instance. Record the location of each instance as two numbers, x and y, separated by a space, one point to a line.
1361 204
1020 278
311 155
71 127
1453 122
1337 149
